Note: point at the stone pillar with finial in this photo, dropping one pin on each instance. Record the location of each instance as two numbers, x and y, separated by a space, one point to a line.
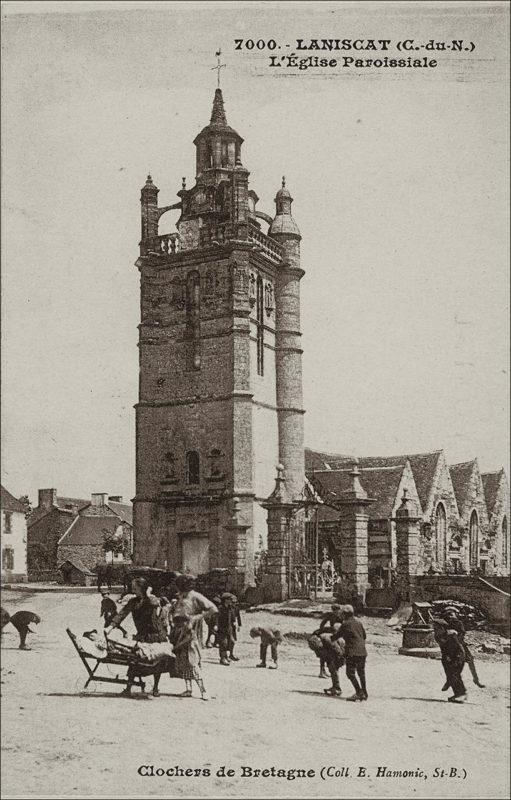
288 344
353 542
149 208
236 533
280 509
407 521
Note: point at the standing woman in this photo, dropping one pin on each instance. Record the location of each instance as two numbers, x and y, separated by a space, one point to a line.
193 604
187 652
145 609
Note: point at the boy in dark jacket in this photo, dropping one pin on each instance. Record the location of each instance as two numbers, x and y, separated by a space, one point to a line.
269 638
226 628
354 635
109 610
453 658
329 653
454 622
331 620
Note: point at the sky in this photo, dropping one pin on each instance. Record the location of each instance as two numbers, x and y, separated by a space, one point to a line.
400 186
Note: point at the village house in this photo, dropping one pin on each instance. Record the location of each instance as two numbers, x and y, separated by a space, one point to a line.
84 533
13 538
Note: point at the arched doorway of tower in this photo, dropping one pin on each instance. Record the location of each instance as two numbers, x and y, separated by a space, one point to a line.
473 532
440 535
195 553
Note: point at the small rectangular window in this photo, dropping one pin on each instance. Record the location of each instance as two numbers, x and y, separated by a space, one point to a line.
193 467
8 521
8 558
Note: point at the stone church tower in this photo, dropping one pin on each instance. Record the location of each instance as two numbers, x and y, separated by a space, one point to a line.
220 395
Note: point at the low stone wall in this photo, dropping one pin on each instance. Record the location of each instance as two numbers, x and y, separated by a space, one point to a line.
43 576
381 598
493 602
13 577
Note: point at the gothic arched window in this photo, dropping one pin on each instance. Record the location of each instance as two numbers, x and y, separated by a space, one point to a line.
192 467
260 326
474 539
8 558
505 543
440 534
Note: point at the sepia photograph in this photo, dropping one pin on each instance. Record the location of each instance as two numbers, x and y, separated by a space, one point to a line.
255 313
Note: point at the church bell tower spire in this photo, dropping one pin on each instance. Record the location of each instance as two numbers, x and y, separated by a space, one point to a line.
220 364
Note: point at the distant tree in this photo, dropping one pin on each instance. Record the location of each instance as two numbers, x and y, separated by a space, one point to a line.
113 543
27 505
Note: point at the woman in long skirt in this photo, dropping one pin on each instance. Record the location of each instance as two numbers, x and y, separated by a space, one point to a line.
187 652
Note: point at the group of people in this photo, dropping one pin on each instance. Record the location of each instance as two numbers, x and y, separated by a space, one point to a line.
341 639
158 620
341 624
222 632
223 626
180 622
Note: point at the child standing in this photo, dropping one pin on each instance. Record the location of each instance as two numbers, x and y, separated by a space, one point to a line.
212 625
228 615
109 611
186 649
269 638
354 635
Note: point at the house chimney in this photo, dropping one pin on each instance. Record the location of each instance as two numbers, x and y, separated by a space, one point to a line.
99 498
116 498
47 498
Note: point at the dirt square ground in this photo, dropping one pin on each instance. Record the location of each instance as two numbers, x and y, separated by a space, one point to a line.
57 740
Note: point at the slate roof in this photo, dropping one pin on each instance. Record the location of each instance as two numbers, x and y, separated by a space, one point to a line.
123 510
90 530
460 477
9 503
380 483
69 503
77 564
491 484
316 460
423 466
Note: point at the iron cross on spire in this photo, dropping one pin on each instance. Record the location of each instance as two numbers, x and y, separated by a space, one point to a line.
219 66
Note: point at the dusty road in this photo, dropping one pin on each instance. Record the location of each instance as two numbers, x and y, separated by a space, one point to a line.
59 741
